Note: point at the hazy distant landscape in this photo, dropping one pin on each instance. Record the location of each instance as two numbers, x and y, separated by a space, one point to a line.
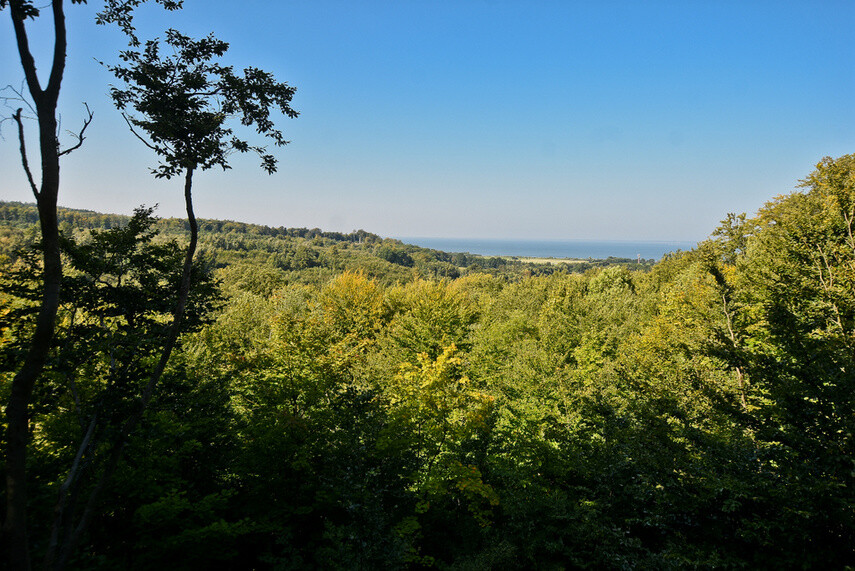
643 356
575 249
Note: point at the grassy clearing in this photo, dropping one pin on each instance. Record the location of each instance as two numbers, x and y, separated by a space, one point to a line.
528 260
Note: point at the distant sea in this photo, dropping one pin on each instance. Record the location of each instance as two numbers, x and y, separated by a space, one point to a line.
579 249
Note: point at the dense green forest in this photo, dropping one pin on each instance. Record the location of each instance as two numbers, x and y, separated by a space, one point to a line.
290 252
347 401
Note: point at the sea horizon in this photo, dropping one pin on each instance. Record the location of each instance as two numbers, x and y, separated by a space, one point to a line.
573 249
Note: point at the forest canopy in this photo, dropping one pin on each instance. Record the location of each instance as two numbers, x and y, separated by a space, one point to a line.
347 401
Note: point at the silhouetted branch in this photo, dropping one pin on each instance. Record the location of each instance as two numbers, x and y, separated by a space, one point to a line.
137 135
18 97
24 160
79 135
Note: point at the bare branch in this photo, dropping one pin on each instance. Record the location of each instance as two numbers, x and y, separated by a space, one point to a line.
24 160
137 135
18 97
79 135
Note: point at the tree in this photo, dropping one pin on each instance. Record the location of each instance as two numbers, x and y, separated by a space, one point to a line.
430 316
434 417
118 296
181 107
799 280
44 104
45 101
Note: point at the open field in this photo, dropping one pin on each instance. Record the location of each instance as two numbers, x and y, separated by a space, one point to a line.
527 260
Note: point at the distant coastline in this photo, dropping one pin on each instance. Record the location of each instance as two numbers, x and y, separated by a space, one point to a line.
574 249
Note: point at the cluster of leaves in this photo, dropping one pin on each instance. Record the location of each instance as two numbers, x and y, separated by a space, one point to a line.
183 100
696 415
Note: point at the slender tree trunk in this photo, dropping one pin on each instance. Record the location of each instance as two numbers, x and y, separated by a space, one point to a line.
17 414
75 533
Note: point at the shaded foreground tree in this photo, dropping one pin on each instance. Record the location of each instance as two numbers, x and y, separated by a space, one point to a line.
180 106
185 150
44 105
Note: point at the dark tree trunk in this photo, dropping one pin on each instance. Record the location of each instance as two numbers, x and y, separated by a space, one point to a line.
17 414
75 533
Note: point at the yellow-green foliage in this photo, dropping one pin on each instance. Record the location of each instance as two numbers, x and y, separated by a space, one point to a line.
698 415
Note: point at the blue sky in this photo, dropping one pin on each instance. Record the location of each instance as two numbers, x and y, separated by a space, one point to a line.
491 119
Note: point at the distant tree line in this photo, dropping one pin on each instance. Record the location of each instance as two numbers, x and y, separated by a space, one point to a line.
227 242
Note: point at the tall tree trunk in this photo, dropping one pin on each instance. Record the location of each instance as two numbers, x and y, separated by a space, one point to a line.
17 409
58 559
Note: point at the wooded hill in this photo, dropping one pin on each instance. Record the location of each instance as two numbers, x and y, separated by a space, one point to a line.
348 402
293 251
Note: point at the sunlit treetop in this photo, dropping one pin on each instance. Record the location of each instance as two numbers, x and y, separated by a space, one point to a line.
181 103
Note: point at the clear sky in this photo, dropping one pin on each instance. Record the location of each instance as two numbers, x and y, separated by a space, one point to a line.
645 120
